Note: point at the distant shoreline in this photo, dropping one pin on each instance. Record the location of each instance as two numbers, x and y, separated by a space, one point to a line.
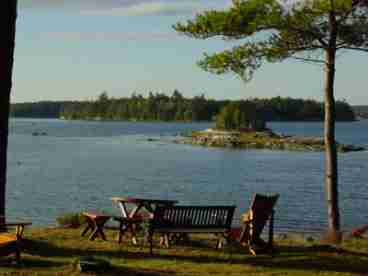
177 108
173 121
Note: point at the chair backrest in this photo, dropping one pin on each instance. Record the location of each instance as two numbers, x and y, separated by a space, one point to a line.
262 208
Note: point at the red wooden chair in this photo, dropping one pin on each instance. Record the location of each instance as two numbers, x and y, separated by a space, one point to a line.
254 220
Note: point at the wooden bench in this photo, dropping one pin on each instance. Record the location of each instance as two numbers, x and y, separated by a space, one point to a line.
95 224
191 219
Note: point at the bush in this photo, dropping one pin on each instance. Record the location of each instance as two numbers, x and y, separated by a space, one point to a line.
72 220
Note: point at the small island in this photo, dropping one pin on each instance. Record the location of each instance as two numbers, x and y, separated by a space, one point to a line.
260 140
241 125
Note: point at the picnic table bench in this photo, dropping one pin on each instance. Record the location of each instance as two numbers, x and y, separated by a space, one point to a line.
191 219
95 224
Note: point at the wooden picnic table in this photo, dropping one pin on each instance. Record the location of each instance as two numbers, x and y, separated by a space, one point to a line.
141 209
139 204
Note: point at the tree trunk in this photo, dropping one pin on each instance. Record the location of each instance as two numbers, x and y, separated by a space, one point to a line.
8 12
331 175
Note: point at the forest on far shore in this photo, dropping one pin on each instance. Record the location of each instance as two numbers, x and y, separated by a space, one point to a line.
361 111
161 107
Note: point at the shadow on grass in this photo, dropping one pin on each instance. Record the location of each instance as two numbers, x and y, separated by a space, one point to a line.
304 258
133 272
45 255
315 249
315 258
26 262
48 249
24 269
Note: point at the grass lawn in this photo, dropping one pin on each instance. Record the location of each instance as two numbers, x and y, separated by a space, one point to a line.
55 251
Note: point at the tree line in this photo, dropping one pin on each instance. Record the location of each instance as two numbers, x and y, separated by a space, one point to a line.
161 107
361 111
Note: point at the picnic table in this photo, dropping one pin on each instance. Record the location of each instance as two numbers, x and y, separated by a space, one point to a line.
135 211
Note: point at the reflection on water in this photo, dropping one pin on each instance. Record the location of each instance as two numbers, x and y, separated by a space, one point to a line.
80 165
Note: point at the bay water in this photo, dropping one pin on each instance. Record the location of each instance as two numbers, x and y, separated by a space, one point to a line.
57 167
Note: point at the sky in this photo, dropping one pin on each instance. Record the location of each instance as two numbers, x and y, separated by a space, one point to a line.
77 49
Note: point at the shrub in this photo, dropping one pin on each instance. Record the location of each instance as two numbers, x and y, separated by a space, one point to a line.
72 220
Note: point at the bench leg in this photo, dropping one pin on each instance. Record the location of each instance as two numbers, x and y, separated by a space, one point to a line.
165 240
220 242
17 255
90 226
150 240
270 232
93 236
98 231
85 230
97 228
127 227
224 238
122 230
134 240
101 232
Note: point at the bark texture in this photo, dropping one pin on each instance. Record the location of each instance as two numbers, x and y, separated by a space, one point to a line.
331 177
8 14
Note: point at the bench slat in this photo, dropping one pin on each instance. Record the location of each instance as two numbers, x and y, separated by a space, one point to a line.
193 217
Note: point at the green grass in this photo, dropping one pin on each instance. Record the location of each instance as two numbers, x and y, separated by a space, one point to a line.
55 252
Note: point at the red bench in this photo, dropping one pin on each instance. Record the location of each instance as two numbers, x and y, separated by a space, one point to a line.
95 224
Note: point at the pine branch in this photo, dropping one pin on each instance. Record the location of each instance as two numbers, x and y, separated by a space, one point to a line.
355 48
309 60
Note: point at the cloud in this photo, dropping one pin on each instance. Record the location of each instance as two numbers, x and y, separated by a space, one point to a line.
150 8
111 36
124 7
75 5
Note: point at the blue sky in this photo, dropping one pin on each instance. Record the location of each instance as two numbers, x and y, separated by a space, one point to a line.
75 49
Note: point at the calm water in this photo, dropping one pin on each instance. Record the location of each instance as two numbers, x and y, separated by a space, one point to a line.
80 165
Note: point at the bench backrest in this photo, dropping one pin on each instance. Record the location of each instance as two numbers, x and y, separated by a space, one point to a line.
262 208
194 217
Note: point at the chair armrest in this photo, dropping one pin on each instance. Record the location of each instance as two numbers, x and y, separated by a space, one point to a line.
247 217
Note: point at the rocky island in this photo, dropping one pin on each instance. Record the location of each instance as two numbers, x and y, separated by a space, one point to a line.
265 139
242 125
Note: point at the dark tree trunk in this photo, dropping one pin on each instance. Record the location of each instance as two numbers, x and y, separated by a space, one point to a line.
8 14
331 177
